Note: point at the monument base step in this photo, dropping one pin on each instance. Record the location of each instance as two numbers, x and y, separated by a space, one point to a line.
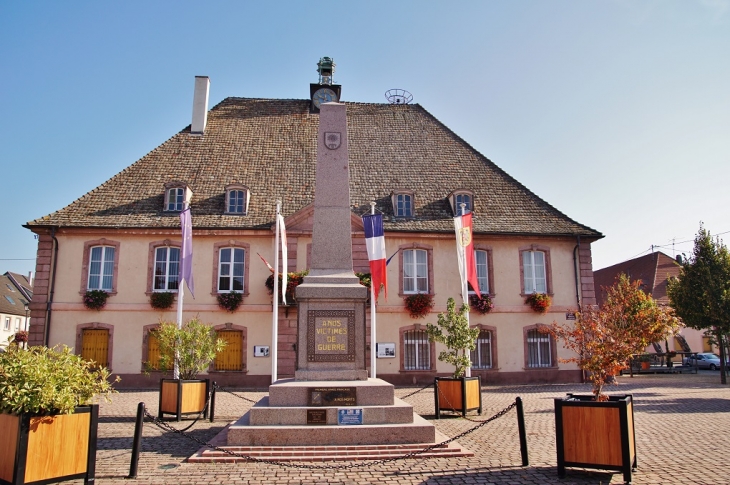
322 453
263 414
242 433
291 392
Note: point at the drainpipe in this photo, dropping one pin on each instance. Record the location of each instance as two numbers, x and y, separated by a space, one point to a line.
576 268
53 287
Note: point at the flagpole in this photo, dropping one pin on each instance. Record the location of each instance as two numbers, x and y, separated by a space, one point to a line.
181 291
373 344
465 297
275 319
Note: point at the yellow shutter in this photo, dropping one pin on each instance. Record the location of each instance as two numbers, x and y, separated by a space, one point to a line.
706 345
95 346
153 350
230 358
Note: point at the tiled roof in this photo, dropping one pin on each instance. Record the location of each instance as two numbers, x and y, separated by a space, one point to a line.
11 298
654 270
270 146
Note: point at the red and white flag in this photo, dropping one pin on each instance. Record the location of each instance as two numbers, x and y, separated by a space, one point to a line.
465 253
375 242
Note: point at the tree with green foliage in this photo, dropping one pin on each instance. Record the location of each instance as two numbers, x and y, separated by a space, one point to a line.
452 330
701 293
195 345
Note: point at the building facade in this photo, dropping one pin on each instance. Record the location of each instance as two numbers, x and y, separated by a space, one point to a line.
240 157
15 293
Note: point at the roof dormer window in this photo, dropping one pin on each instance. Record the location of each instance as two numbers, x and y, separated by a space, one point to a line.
174 197
237 197
458 197
403 203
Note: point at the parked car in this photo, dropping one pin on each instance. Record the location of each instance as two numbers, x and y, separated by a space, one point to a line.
705 360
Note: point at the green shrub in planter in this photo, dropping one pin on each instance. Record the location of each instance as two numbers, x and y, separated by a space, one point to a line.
43 381
195 345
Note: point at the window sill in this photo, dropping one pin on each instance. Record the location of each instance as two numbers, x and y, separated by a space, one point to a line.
411 371
540 368
216 293
244 371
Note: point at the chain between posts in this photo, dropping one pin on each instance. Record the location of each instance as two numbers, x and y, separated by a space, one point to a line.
162 425
216 387
416 392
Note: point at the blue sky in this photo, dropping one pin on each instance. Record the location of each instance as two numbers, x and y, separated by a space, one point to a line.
615 112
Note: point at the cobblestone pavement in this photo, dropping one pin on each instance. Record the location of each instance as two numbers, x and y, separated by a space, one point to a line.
682 432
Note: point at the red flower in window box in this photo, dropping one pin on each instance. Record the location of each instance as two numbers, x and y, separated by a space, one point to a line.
539 302
419 305
230 301
481 305
95 299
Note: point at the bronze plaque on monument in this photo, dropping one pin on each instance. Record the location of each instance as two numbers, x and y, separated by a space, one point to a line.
316 416
331 336
333 396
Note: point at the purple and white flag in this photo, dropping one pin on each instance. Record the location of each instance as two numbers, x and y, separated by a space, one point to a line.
186 253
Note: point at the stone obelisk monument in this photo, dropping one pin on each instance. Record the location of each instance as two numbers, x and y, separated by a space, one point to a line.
331 401
331 314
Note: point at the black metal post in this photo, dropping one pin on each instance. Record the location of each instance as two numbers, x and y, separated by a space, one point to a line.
212 402
523 432
137 443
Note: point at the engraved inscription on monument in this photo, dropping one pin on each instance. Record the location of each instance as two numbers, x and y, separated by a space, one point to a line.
332 396
331 336
316 416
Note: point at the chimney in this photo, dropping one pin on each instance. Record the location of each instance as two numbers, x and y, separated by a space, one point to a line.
30 278
200 105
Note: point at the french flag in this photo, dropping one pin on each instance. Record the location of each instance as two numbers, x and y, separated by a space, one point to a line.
375 242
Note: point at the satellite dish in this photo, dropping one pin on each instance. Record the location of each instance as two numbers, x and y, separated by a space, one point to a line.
398 96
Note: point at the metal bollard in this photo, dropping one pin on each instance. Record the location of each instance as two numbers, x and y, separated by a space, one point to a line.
523 432
212 402
137 442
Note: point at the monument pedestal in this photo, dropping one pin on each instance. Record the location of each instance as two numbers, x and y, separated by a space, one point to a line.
298 413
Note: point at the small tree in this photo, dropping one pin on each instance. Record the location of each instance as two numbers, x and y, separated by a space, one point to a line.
605 338
195 345
701 294
452 329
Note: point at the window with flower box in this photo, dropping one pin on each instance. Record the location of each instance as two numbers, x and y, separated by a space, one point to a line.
535 270
416 269
231 267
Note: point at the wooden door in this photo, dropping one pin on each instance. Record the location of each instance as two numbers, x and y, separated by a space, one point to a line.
95 346
231 357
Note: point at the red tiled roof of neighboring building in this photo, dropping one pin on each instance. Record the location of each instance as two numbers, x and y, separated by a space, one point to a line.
654 270
270 147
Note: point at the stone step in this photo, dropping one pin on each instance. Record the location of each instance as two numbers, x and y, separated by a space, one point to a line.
290 392
263 414
242 433
320 454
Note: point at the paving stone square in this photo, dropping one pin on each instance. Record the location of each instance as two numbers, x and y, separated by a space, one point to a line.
682 426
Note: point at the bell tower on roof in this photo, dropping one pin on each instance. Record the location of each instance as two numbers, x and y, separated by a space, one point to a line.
324 91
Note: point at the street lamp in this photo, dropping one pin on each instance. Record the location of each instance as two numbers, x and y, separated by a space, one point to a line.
27 312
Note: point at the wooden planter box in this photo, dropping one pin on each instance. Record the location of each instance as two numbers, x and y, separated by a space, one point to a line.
591 434
461 394
183 397
50 448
